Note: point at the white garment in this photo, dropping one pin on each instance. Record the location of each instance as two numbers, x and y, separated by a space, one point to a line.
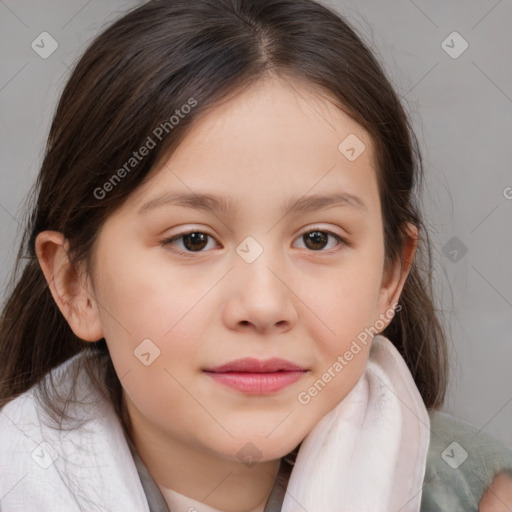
369 453
366 455
179 503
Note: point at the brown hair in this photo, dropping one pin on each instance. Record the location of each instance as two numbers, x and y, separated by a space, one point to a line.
131 79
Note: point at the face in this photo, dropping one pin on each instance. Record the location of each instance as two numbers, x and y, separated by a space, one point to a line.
255 279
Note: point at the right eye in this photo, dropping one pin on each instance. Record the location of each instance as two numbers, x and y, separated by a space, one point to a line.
191 241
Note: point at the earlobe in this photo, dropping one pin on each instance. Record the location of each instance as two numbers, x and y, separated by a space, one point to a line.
68 286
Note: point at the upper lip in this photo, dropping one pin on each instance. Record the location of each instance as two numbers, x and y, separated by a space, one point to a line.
253 365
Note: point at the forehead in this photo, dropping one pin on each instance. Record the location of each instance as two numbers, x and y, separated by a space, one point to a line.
278 139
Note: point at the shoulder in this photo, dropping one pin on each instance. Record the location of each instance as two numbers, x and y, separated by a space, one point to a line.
62 384
462 462
50 464
27 455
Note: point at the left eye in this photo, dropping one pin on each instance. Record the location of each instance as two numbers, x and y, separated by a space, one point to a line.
317 239
195 241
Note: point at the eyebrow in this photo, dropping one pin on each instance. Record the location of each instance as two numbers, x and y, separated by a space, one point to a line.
214 203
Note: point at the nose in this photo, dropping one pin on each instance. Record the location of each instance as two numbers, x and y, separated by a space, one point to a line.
259 297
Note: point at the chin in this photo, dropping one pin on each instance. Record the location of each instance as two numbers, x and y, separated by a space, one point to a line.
252 449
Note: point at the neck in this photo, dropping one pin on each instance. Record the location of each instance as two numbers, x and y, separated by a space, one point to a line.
220 483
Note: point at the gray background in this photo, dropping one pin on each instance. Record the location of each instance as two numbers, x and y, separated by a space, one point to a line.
462 112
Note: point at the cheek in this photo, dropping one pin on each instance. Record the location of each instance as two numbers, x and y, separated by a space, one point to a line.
158 360
144 298
150 316
345 299
345 307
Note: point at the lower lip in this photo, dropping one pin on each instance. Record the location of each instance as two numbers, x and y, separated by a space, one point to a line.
257 383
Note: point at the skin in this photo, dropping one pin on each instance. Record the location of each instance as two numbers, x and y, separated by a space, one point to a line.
274 141
498 496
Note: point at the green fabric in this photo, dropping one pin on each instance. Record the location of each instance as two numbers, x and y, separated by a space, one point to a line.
451 483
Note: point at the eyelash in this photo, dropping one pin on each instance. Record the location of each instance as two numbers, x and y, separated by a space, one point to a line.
168 241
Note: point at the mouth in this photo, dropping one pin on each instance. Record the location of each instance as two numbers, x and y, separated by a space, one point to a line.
256 377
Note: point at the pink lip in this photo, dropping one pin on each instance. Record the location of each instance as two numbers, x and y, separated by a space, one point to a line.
255 377
250 364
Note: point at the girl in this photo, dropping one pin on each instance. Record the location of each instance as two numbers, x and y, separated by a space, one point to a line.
227 301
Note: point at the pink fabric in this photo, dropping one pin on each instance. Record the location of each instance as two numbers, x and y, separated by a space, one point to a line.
369 453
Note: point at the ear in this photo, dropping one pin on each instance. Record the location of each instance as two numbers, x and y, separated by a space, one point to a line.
395 275
70 288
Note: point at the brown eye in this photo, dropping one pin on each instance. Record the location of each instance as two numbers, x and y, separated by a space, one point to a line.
315 240
320 240
194 241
